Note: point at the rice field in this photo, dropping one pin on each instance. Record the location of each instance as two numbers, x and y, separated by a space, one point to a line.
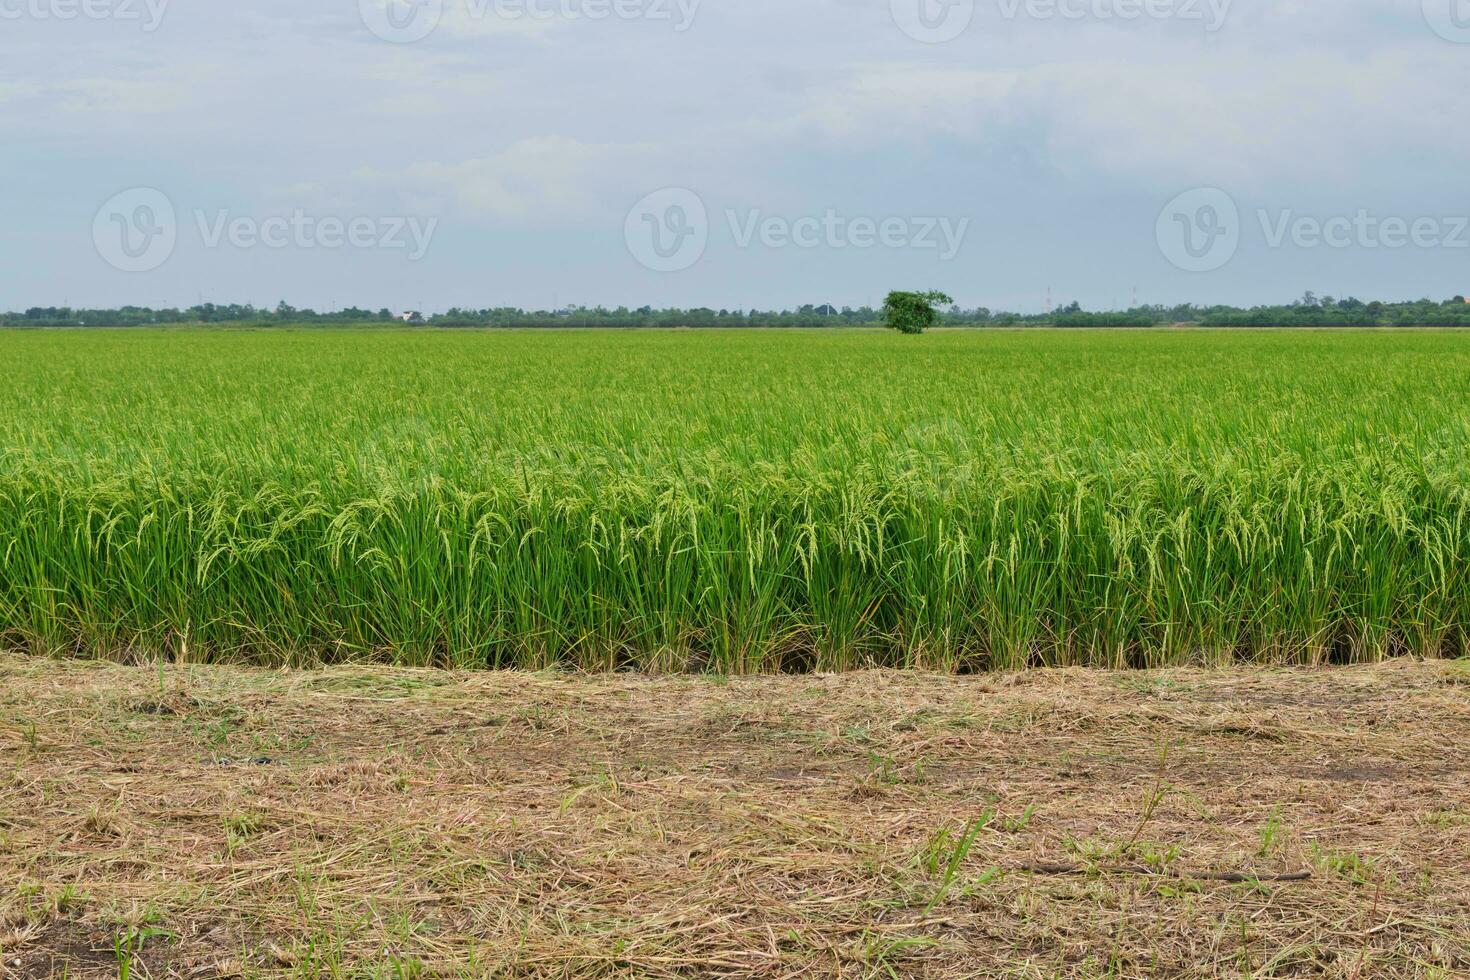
735 501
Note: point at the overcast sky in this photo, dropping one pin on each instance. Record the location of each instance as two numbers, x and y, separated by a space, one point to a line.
731 153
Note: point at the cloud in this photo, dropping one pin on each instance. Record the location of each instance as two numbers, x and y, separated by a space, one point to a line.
1246 119
546 178
154 93
876 103
124 96
16 91
1220 115
417 83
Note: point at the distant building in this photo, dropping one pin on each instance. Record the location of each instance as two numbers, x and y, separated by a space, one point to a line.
411 316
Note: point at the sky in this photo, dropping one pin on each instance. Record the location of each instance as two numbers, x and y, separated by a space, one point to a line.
425 154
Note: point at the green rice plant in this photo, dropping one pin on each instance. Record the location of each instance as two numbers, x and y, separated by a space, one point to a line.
946 853
736 501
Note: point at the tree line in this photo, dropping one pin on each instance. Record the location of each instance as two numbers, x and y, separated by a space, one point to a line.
1309 311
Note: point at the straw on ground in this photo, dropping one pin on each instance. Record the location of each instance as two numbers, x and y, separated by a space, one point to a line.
356 822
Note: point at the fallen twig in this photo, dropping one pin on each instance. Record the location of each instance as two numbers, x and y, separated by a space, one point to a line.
1235 877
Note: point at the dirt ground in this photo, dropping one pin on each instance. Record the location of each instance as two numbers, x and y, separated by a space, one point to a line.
222 822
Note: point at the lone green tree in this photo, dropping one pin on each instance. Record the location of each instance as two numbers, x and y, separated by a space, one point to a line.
912 312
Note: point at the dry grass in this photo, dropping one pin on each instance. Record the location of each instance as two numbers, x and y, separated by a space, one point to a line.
226 822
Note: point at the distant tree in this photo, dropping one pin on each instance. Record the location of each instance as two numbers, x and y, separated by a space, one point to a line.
912 312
